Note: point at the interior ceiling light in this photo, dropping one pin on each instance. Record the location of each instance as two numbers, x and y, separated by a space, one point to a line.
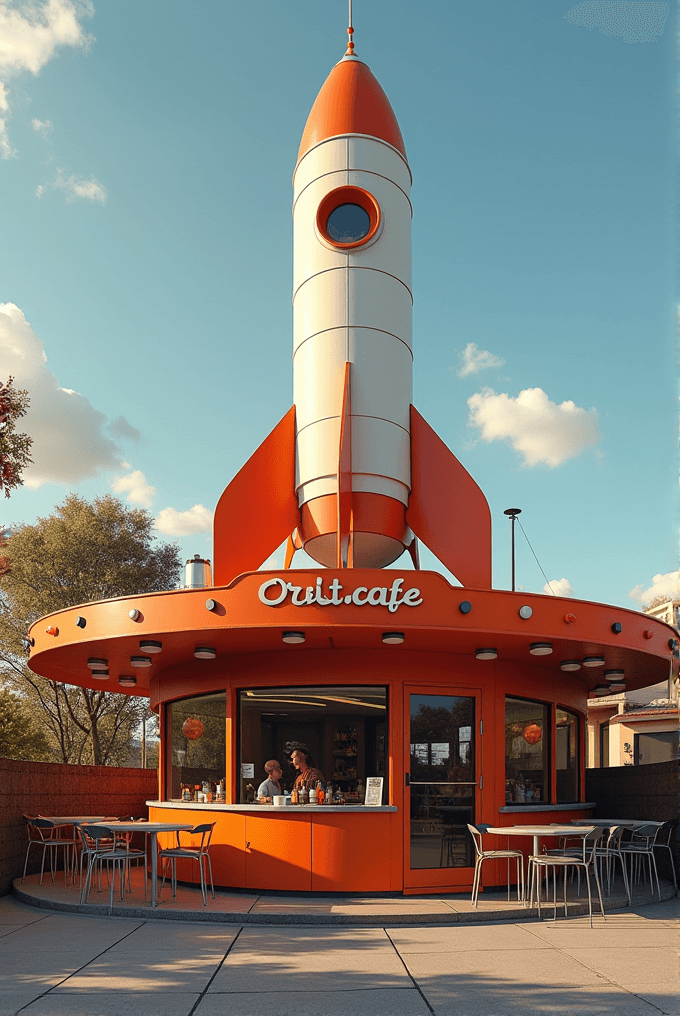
486 654
127 681
100 675
593 661
95 663
601 689
205 653
570 665
140 661
150 646
393 638
541 648
293 637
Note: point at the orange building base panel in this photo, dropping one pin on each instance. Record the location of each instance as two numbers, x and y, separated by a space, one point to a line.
297 851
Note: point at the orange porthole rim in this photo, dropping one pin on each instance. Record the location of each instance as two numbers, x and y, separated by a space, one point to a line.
348 196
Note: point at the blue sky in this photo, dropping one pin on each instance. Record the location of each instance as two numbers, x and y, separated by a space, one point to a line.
147 249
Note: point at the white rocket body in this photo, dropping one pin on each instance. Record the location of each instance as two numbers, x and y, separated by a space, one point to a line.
353 306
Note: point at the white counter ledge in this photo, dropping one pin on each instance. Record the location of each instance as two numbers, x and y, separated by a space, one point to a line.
286 809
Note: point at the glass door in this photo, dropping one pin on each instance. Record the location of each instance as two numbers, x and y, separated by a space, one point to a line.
441 783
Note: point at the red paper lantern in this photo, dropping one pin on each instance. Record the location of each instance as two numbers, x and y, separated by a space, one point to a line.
193 729
532 733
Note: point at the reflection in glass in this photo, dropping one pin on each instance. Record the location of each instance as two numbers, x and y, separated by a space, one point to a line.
348 223
566 756
442 780
197 728
527 751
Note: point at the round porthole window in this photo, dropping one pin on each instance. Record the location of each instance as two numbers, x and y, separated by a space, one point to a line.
348 217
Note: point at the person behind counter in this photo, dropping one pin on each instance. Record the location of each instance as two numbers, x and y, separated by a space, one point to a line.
271 787
308 776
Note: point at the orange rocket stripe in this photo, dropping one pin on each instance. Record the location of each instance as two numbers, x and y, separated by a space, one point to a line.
351 101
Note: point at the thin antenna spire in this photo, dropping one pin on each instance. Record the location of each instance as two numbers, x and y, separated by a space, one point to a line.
350 31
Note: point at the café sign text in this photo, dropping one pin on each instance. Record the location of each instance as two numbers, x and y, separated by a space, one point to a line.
273 592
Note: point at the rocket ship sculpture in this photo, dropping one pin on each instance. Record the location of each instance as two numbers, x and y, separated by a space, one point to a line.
353 474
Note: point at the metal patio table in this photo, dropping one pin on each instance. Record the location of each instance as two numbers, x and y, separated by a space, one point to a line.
153 829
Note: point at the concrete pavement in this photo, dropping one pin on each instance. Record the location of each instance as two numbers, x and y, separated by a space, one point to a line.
63 964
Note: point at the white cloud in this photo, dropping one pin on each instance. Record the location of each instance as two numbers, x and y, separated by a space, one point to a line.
474 359
540 430
31 33
173 523
69 443
667 585
123 429
135 487
560 587
75 187
43 127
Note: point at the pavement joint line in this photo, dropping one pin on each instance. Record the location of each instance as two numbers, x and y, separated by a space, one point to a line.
215 973
408 972
74 972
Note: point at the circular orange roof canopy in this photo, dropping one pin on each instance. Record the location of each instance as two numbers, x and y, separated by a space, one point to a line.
351 101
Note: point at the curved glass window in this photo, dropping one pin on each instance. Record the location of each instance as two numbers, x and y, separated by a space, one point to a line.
348 223
196 730
527 752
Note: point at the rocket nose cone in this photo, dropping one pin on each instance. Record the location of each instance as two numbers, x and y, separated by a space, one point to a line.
351 101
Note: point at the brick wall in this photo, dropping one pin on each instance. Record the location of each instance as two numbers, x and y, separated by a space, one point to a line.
651 792
48 788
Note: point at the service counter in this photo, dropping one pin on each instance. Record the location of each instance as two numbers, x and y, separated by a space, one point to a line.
311 848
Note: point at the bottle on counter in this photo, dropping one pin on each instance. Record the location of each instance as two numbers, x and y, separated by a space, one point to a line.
313 799
329 793
304 795
361 792
186 792
197 791
320 793
294 796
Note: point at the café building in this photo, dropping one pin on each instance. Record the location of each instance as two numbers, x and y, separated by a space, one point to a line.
452 704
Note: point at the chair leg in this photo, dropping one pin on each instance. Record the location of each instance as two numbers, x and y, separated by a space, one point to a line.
212 884
599 894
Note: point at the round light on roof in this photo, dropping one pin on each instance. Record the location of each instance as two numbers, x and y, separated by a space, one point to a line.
486 654
593 661
80 621
140 661
293 637
205 653
134 614
465 606
617 686
150 646
100 675
613 675
127 681
393 638
600 690
96 663
540 648
525 612
570 665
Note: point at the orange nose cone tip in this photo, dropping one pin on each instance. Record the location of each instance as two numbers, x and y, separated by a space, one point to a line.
351 101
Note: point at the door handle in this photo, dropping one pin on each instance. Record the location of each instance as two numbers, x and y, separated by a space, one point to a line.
407 777
247 844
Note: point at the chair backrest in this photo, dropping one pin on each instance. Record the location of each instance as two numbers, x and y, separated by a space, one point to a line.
96 833
665 834
645 835
614 837
205 830
476 835
40 829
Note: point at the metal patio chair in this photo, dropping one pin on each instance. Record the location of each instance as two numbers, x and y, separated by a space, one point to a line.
663 842
197 853
637 848
43 833
482 855
607 852
586 861
111 850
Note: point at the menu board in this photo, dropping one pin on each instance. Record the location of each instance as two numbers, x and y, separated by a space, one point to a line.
374 791
247 770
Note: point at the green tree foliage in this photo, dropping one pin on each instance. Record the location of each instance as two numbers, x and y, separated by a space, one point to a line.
84 551
14 448
21 736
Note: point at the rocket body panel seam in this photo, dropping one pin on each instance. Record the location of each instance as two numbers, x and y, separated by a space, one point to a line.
339 137
366 328
359 268
355 416
348 170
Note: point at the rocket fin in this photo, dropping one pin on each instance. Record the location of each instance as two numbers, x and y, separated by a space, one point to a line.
446 509
259 508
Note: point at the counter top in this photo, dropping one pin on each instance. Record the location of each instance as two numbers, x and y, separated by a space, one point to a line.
296 809
509 808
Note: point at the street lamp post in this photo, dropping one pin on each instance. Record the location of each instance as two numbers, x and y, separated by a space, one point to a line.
513 513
